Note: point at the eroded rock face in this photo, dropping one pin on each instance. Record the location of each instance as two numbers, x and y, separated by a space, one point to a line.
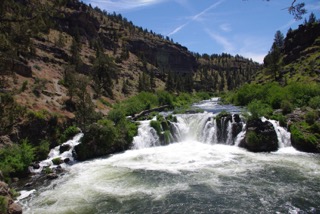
174 58
260 137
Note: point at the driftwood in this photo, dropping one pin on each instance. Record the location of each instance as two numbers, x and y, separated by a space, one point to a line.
142 113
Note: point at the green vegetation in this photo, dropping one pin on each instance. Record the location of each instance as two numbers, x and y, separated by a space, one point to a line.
106 137
10 113
290 96
3 204
14 160
70 132
42 150
56 161
157 126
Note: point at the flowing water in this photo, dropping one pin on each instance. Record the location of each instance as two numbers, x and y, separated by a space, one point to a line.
196 174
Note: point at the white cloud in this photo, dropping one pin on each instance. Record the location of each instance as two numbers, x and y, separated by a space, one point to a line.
122 5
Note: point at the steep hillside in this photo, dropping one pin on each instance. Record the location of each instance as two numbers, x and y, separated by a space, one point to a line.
298 60
52 39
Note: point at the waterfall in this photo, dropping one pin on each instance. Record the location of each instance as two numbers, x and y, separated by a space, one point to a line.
284 137
147 136
64 156
240 136
205 128
229 133
199 127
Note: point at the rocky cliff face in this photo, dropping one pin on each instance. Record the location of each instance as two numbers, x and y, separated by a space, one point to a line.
165 55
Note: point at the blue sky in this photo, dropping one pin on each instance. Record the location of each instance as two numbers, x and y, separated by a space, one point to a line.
244 27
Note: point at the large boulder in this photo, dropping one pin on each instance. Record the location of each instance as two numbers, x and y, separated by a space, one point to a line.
260 137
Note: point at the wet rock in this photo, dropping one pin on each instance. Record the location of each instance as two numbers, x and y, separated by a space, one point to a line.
15 208
222 121
52 176
66 160
260 137
35 165
64 148
236 118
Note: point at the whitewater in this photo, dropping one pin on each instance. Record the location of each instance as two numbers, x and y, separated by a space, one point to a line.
196 174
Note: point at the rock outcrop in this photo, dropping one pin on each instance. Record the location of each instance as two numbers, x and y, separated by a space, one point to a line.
8 206
260 137
223 121
167 56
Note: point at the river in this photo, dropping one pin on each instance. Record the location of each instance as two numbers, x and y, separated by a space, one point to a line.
192 175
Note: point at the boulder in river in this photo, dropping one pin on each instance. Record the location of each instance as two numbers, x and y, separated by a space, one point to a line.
260 137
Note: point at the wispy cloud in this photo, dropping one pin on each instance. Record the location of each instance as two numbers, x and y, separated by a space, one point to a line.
196 17
177 29
225 27
122 5
289 24
223 41
199 15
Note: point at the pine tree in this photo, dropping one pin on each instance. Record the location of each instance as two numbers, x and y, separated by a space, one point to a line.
279 39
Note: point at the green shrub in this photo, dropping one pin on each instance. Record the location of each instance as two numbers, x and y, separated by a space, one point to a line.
164 98
14 160
56 161
315 128
311 117
157 126
315 102
116 115
47 170
167 137
281 118
3 204
286 107
69 133
300 138
42 150
38 115
259 109
252 138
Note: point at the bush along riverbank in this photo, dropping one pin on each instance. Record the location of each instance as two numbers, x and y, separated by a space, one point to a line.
296 106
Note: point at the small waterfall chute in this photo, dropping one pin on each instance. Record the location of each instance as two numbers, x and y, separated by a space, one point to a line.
147 136
65 156
284 137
